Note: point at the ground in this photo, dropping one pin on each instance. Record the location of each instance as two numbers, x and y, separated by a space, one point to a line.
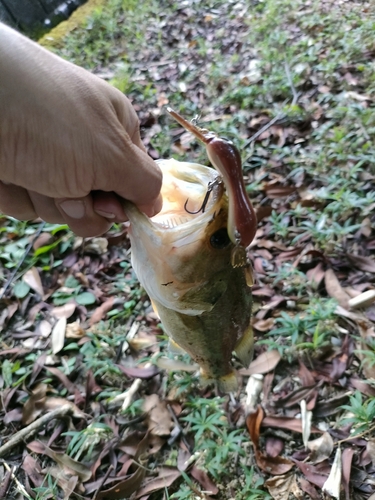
292 84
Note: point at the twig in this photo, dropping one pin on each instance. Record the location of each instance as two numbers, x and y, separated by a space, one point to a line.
280 116
32 428
20 488
102 482
291 84
21 261
349 438
177 424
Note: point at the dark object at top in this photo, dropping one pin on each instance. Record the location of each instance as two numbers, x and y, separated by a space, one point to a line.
34 17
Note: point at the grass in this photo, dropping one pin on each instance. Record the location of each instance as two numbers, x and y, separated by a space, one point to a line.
326 153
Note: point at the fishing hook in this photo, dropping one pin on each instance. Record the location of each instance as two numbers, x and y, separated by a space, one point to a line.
210 188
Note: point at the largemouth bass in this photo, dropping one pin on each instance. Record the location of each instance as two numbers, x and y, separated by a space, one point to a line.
191 258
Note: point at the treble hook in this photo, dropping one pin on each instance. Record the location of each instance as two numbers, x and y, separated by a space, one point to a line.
210 188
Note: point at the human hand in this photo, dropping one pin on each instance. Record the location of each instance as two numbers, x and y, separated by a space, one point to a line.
70 147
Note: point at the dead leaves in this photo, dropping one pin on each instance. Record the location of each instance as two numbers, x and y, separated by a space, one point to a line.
271 465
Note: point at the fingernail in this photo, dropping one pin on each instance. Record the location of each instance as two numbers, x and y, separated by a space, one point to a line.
107 215
73 208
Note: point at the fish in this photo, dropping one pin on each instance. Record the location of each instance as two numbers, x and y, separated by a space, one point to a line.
191 258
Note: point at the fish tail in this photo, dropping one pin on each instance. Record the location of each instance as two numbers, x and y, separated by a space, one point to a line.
245 347
226 383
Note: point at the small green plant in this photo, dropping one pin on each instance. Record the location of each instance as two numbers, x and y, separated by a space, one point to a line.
363 412
84 442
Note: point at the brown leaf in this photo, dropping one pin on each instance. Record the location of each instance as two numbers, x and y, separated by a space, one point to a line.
68 464
136 372
335 290
312 473
42 240
264 325
321 448
308 488
101 311
281 487
347 457
63 378
271 465
35 404
33 470
32 278
202 477
264 363
160 421
363 263
74 330
290 424
125 488
166 477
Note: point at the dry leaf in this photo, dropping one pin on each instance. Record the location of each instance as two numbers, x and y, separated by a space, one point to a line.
264 363
69 465
35 404
101 311
160 421
32 278
64 311
165 478
254 387
335 290
321 448
306 417
125 488
281 487
74 330
58 335
333 483
363 300
271 465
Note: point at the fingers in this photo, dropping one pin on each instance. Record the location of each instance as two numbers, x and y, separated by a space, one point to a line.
15 201
79 214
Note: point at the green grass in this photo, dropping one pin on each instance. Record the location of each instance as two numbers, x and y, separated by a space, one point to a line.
328 151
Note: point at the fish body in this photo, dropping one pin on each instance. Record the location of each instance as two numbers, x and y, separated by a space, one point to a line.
183 259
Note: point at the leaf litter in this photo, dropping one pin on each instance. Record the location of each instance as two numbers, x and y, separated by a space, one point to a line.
67 324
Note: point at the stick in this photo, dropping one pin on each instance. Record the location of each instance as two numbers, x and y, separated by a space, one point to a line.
109 470
20 488
32 428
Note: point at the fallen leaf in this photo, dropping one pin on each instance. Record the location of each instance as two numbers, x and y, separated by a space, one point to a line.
321 448
362 300
160 421
58 335
264 363
347 457
165 478
254 387
64 311
71 466
125 488
32 279
363 263
35 404
281 487
137 372
333 483
335 290
101 311
306 417
74 330
201 476
272 465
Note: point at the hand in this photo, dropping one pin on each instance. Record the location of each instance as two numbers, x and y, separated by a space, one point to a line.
70 147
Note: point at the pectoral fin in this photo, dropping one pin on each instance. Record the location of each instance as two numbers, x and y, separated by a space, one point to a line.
245 347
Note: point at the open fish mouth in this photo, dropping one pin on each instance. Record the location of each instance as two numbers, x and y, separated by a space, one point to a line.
192 196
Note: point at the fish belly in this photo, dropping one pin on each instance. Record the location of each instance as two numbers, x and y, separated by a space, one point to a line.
211 337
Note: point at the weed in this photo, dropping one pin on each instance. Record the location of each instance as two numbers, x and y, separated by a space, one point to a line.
363 412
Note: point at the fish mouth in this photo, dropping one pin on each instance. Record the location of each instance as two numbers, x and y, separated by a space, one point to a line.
192 195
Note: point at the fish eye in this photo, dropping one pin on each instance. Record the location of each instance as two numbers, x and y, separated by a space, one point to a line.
220 239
